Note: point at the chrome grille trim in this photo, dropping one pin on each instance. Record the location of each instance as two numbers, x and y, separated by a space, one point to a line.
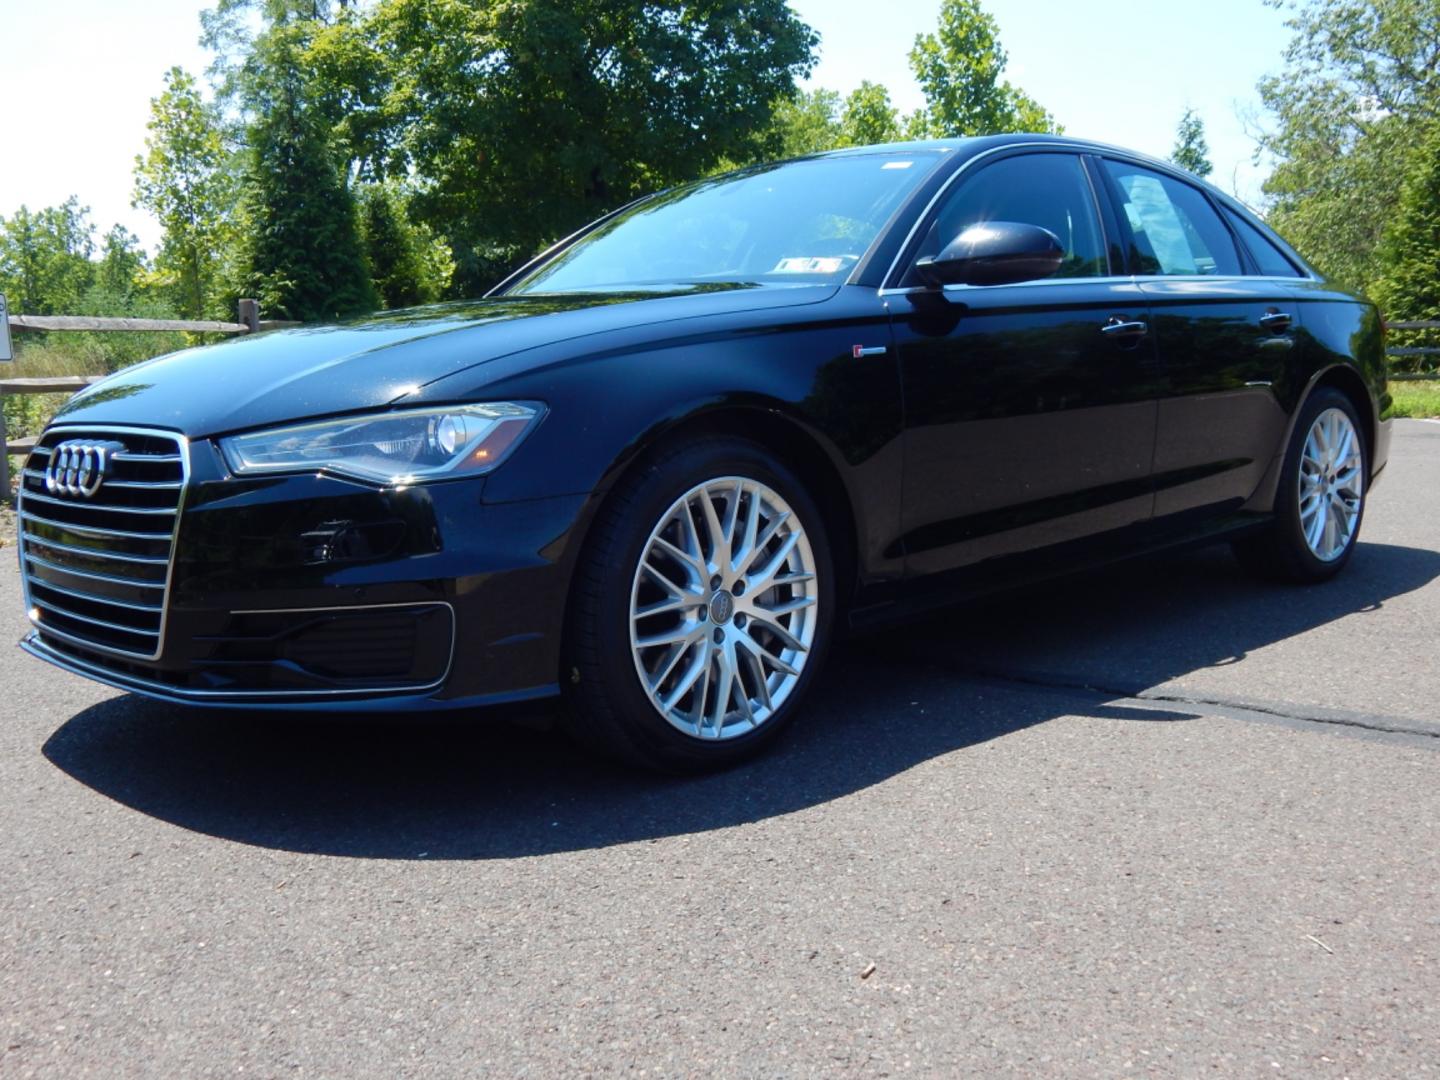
96 598
116 557
146 560
87 530
119 627
108 508
130 583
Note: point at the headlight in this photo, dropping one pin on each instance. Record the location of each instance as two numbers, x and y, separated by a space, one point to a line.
404 447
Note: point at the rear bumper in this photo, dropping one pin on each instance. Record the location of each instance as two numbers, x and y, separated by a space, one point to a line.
1380 454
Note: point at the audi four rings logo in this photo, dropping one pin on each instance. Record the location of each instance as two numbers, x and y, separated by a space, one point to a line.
79 468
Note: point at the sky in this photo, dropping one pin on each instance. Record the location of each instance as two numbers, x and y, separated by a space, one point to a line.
77 77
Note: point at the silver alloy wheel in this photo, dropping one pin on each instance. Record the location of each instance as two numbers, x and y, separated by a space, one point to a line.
1332 485
723 608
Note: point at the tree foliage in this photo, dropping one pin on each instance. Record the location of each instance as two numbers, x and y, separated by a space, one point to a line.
184 179
805 122
1191 151
960 69
121 265
868 117
408 264
1409 253
45 255
1361 82
301 255
527 119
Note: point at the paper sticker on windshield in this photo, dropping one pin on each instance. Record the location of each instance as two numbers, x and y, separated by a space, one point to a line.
897 164
828 264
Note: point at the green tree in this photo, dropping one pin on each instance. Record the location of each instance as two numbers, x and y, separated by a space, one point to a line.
1408 286
453 93
805 122
1360 85
1191 151
960 69
408 265
527 119
45 255
184 179
868 117
122 261
301 256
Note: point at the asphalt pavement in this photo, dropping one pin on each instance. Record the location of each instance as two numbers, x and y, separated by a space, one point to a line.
1161 820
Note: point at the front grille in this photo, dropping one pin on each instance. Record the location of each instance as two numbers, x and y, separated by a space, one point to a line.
96 568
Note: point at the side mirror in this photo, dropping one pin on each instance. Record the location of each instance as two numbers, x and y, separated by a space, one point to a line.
995 253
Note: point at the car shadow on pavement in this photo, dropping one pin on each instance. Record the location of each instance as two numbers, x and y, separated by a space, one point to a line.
888 703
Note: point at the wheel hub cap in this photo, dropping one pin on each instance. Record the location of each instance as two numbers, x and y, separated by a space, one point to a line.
722 606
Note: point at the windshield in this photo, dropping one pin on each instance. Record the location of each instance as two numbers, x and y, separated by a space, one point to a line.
798 222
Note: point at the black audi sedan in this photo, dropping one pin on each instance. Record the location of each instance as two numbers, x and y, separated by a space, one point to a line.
656 470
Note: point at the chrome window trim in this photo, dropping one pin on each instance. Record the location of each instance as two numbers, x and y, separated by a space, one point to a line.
1112 279
1109 279
1078 149
183 457
963 168
125 681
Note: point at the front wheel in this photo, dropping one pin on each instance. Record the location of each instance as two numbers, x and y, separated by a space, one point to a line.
1321 500
702 609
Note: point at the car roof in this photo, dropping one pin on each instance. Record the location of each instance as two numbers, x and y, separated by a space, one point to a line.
970 145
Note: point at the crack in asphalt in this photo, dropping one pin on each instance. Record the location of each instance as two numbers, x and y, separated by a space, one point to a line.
1300 714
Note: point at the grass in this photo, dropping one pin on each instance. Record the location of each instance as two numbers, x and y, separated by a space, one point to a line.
1419 399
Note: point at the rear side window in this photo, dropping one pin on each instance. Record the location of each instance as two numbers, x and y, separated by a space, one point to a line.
1049 190
1175 230
1272 261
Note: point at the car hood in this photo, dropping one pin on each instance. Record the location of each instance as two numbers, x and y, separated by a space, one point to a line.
310 371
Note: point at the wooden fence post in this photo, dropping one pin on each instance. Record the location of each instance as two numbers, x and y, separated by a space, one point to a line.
4 455
250 315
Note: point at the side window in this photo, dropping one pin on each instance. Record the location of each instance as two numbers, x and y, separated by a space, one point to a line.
1175 229
1272 261
1049 190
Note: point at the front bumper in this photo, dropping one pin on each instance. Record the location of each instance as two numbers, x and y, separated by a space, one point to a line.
317 593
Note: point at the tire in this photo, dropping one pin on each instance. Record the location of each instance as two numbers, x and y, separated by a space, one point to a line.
1320 501
666 619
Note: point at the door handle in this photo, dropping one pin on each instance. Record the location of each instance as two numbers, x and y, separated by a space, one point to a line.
1277 322
1116 327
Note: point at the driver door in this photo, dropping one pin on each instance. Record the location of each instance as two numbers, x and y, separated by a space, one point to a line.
1030 408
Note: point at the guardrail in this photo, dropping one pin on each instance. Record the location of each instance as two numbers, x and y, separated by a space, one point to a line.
249 323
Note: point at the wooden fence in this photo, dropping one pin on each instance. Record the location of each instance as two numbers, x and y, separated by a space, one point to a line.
249 323
1413 350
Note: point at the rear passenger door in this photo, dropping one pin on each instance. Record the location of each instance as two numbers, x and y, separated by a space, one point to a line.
1225 338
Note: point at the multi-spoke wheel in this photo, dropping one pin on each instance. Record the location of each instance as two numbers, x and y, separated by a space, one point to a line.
702 608
1332 485
1321 499
723 608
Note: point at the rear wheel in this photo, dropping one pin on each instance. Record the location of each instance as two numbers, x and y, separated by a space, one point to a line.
702 609
1321 500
